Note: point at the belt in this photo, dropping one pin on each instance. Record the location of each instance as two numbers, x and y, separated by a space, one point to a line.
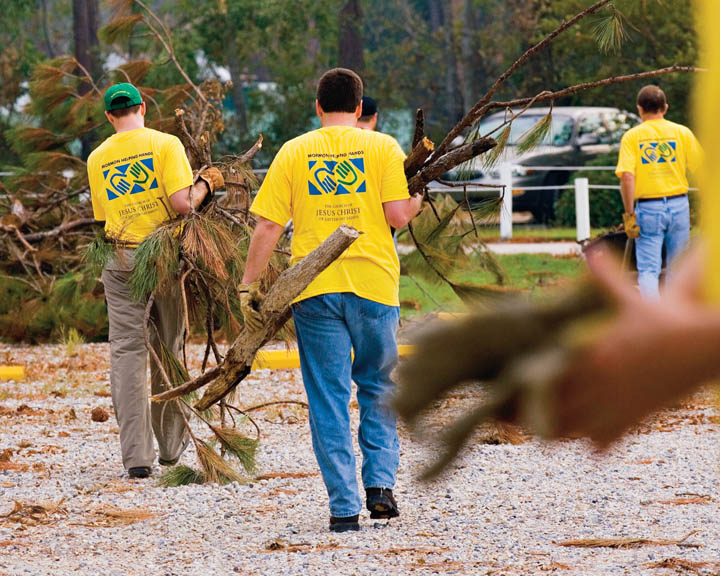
662 197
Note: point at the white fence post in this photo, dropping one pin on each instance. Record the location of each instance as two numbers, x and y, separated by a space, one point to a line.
582 208
506 208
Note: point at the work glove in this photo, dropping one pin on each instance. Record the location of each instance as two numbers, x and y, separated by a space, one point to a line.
214 180
250 299
631 226
212 177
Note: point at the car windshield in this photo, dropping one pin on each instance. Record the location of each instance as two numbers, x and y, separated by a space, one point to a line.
559 134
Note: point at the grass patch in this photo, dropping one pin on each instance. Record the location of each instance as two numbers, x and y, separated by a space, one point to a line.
536 233
534 273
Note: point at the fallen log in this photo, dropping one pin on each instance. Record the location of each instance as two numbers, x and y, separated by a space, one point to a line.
275 312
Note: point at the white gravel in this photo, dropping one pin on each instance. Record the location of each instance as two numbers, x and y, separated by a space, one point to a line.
501 511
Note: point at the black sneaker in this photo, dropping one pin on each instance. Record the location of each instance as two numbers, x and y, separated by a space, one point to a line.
345 524
381 503
139 472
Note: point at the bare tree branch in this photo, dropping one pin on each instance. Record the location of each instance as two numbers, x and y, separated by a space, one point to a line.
475 113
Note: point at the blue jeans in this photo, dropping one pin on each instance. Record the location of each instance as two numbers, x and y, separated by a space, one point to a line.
663 221
328 327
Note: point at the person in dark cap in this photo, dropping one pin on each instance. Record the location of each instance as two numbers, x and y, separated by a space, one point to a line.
369 115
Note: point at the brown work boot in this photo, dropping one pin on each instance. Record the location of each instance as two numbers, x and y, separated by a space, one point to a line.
381 503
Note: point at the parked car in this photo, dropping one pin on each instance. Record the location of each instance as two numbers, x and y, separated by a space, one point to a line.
577 135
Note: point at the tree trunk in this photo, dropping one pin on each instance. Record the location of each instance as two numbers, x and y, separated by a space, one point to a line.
47 43
436 15
85 23
453 106
350 37
236 94
467 61
93 20
81 30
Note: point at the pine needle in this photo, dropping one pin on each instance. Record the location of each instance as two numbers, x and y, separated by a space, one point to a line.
110 515
209 244
474 294
70 287
181 475
175 369
119 28
51 161
216 470
133 71
487 210
493 156
156 262
535 135
97 254
26 139
625 543
240 446
609 32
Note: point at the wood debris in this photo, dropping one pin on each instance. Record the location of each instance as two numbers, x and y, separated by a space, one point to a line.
625 543
29 514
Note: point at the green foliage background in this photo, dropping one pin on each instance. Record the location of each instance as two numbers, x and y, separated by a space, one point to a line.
440 56
282 47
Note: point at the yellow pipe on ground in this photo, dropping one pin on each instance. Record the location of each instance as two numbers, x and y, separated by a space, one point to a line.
12 372
288 359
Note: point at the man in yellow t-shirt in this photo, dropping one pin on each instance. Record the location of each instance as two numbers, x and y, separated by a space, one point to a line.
140 178
337 175
654 159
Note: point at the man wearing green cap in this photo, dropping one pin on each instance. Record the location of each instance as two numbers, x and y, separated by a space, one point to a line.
140 178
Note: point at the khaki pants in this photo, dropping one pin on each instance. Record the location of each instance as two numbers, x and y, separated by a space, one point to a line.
128 369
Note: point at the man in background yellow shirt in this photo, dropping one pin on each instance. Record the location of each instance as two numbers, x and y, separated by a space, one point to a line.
654 159
140 178
337 175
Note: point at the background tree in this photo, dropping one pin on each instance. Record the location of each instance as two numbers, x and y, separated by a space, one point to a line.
351 47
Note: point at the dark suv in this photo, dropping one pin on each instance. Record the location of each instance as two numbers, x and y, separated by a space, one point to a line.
577 135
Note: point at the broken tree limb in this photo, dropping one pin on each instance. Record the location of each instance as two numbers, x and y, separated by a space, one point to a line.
197 154
417 158
240 180
419 127
60 230
438 167
250 154
275 312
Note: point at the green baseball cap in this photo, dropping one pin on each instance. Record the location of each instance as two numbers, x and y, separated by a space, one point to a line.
121 95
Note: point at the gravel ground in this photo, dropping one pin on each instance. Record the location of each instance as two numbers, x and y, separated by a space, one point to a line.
505 509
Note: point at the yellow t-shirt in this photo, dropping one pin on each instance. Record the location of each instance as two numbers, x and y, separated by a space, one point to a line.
339 175
132 176
659 153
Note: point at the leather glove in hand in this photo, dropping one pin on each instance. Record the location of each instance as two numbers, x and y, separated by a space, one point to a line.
214 180
250 298
631 226
212 177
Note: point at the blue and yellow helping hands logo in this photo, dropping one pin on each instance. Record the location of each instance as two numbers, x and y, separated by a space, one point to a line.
130 178
335 178
658 152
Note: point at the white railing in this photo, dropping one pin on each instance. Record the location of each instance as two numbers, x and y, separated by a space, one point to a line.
505 186
581 186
